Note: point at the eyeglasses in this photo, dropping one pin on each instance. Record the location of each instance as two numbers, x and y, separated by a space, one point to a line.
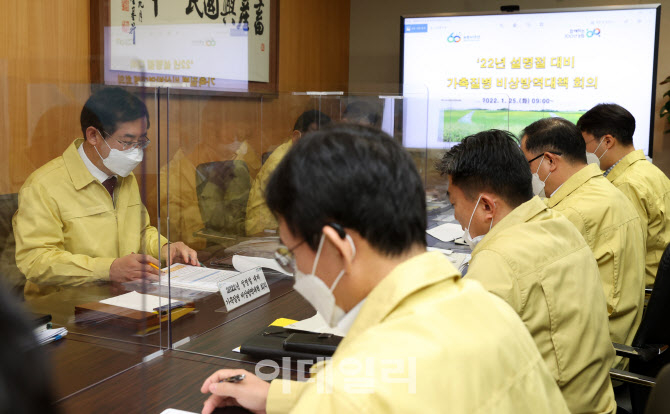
550 152
141 144
285 257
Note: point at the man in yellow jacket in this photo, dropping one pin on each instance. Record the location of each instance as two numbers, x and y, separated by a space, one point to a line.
80 217
556 153
608 133
536 260
352 213
259 218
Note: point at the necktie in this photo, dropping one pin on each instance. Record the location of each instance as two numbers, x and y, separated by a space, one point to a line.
109 185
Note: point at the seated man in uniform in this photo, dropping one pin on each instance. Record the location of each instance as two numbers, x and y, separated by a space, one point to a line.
536 260
608 131
555 150
259 218
352 214
80 217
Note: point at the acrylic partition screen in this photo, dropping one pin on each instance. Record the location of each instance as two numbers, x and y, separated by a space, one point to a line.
217 156
73 241
219 152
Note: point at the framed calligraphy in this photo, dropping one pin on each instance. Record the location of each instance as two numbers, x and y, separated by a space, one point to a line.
195 45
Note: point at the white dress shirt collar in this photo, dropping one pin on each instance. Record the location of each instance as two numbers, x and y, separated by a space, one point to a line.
96 172
345 323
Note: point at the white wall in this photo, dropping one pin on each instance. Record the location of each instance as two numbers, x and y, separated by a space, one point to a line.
374 44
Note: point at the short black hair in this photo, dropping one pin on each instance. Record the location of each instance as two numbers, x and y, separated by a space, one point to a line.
361 111
310 117
489 161
558 135
108 107
357 177
609 119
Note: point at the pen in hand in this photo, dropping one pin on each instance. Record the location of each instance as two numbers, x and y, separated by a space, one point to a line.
234 378
156 267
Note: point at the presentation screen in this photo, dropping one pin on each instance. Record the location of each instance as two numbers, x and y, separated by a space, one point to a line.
507 70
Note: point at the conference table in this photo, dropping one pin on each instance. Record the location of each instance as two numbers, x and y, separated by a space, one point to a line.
105 371
106 368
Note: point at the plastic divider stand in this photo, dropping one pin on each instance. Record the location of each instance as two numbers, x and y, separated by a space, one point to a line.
65 209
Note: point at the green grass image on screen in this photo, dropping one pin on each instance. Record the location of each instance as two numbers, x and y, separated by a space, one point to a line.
461 123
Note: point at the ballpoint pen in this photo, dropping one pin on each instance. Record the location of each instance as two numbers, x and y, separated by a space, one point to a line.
234 378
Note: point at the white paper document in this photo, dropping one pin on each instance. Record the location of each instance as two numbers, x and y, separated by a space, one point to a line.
446 232
175 411
245 263
137 301
194 277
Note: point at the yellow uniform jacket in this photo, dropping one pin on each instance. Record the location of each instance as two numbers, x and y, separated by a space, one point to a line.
537 261
67 229
611 227
259 217
648 189
427 341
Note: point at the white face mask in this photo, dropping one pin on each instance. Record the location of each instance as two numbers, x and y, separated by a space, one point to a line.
317 293
538 184
121 162
592 158
472 242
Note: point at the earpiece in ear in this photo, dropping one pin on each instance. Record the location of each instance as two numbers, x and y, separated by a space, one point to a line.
339 229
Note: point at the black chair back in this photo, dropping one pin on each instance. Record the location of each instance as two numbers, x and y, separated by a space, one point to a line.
654 331
11 274
659 399
655 326
223 191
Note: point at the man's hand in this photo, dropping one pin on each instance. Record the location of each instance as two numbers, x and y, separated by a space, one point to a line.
250 393
179 253
133 267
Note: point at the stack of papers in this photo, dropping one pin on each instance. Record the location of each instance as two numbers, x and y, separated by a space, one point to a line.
137 301
194 277
207 279
50 335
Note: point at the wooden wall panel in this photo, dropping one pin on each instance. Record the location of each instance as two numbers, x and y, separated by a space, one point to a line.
44 50
313 45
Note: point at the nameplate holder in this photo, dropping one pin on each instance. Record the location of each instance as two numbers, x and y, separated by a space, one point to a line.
243 288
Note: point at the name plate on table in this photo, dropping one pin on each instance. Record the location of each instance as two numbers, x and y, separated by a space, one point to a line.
243 288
